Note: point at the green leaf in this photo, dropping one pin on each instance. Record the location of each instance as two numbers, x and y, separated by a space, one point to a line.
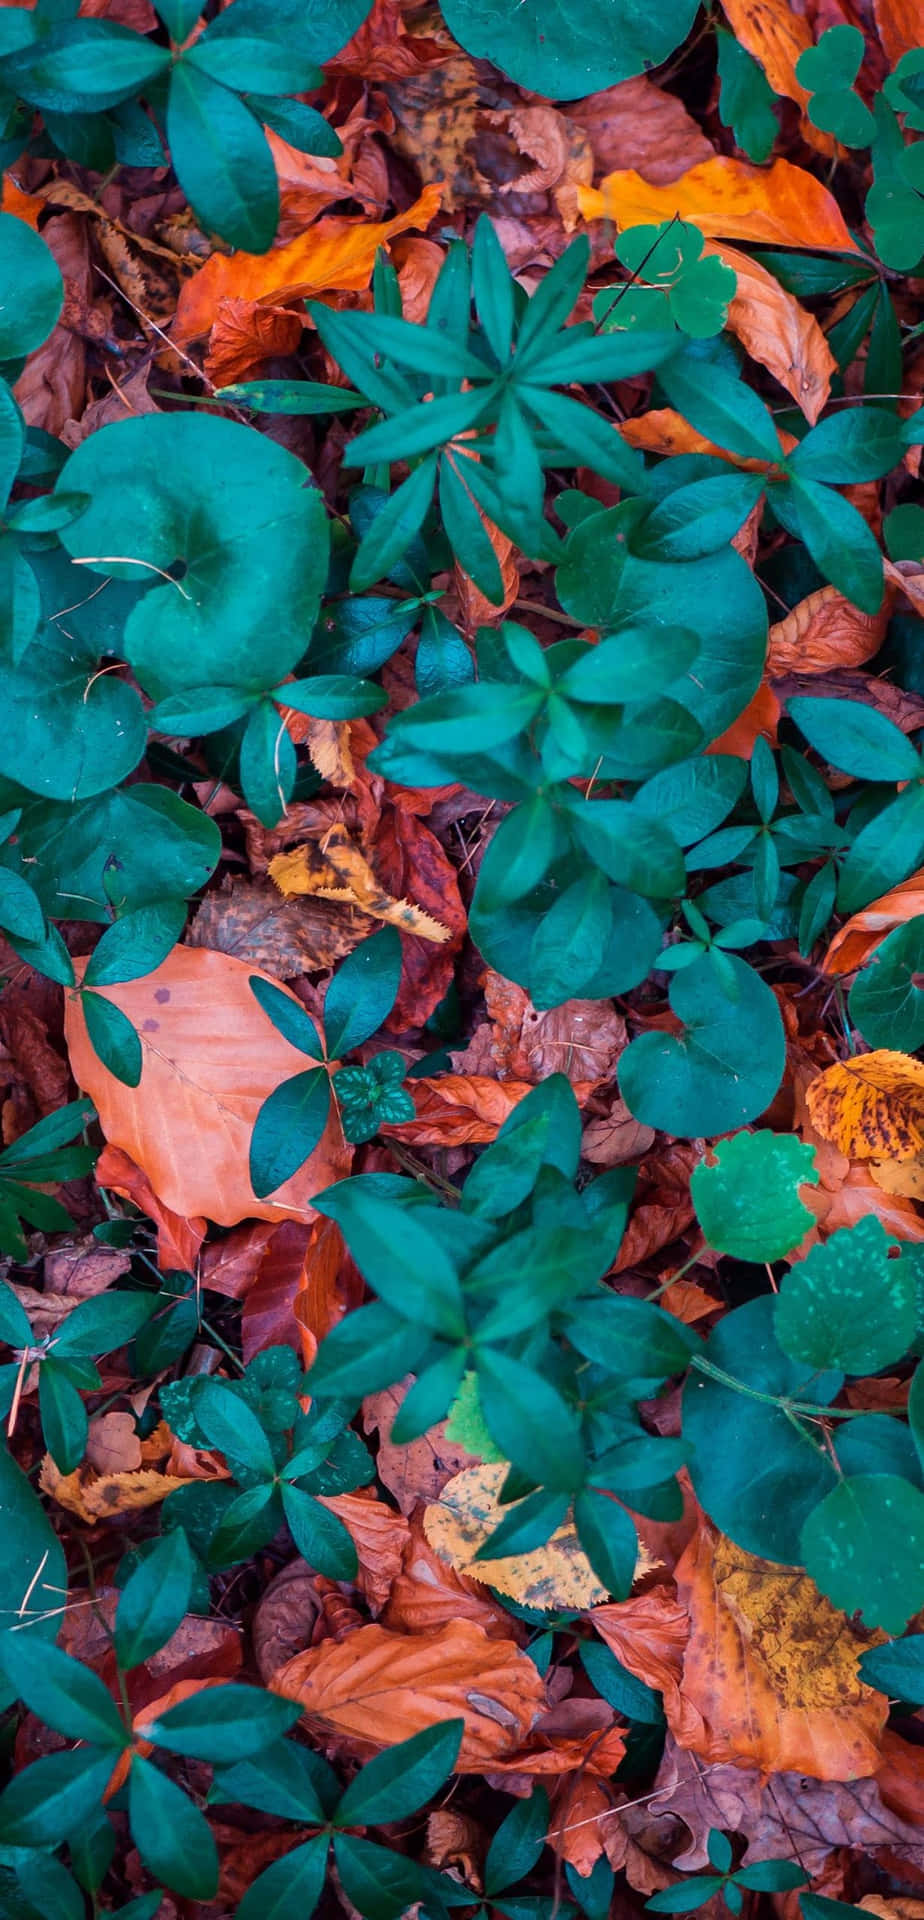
63 1692
847 1304
864 1547
222 160
320 1536
745 99
828 71
517 1843
85 65
102 1323
685 1895
63 1416
20 912
633 1339
15 1326
858 443
699 518
771 1876
154 1600
173 1838
113 1038
394 527
232 1426
267 763
748 1203
237 54
836 535
466 531
207 1724
530 1421
757 1471
44 1803
886 1001
287 1015
133 847
607 1534
293 1884
565 51
362 992
399 1256
177 493
897 1670
620 664
722 408
569 941
136 943
33 1570
290 1781
885 851
70 730
618 1687
725 1067
399 1781
31 289
287 1129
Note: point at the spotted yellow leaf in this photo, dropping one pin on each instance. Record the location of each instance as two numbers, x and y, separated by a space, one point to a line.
871 1107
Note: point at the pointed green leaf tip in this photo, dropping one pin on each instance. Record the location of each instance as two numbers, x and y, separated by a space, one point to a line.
748 1203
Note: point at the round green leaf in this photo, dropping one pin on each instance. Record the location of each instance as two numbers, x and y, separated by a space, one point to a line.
757 1472
31 289
232 513
864 1547
68 730
726 1066
847 1304
566 49
718 598
886 1000
126 849
748 1202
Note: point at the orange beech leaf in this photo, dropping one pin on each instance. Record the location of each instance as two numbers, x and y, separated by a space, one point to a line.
664 430
775 35
379 1535
376 1688
862 933
824 630
898 1778
774 329
638 124
178 1239
759 719
648 1633
244 335
210 1059
900 26
871 1107
857 1195
419 1469
778 206
458 1109
428 1594
580 1038
770 1669
335 253
26 206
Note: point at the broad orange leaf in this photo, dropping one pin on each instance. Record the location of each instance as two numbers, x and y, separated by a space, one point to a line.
759 719
862 933
333 254
178 1239
900 26
774 329
871 1107
780 206
210 1059
429 1594
376 1688
823 631
26 206
770 1669
648 1633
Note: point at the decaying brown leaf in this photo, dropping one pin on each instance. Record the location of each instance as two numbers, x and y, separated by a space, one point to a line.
825 630
420 1469
250 920
335 869
101 1496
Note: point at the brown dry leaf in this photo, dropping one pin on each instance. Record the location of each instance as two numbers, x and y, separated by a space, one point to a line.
899 1777
285 1617
411 862
824 630
178 1239
616 1138
458 1109
857 1195
871 1107
475 608
780 205
211 1057
456 1840
770 1669
759 720
428 1594
51 388
892 1909
248 919
420 1469
380 1537
637 124
376 1688
334 254
789 1817
648 1633
101 1496
557 1575
662 1208
900 26
862 933
113 1445
774 329
245 335
335 869
583 1039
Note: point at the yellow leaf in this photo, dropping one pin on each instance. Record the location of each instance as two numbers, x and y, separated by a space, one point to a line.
558 1575
904 1177
872 1107
99 1496
780 206
336 870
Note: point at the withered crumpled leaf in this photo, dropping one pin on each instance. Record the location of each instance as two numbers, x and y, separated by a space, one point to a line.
420 1469
872 1106
638 124
823 631
556 1575
210 1059
335 869
770 1669
457 1109
428 1594
375 1688
250 919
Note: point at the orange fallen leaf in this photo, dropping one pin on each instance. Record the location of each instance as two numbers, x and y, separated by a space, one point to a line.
862 933
210 1059
726 199
379 1535
774 329
759 719
774 34
376 1688
476 609
178 1239
900 26
335 869
429 1594
113 1445
26 206
335 253
244 335
648 1633
825 630
770 1669
458 1109
871 1107
857 1195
